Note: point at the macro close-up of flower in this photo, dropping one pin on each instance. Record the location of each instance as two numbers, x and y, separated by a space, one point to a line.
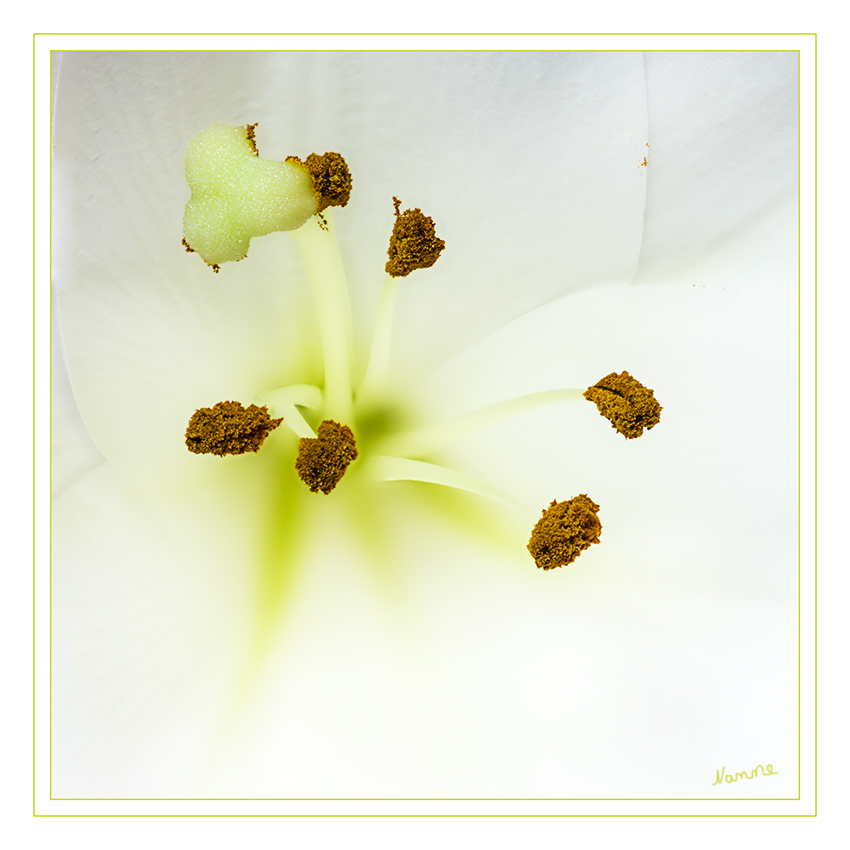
424 425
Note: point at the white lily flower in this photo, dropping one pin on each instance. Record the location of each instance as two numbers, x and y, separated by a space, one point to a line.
219 631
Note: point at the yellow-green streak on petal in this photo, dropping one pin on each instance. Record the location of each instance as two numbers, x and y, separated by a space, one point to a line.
276 569
495 526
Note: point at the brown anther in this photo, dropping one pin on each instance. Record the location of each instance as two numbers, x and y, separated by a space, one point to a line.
323 459
413 243
564 531
331 179
627 403
228 428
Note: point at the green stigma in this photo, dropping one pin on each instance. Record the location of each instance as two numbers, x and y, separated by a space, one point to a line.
236 195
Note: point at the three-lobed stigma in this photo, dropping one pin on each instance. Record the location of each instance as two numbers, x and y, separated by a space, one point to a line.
564 531
228 428
236 195
626 403
323 459
413 244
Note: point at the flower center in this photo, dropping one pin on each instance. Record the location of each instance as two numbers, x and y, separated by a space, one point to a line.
235 196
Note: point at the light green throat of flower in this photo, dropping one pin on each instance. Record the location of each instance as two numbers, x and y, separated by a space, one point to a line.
392 454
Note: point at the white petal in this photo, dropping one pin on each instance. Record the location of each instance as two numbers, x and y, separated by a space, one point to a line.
162 612
143 646
722 169
72 451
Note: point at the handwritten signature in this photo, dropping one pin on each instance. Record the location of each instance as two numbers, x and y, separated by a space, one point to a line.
727 777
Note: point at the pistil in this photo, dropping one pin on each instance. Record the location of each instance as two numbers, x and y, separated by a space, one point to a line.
319 247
